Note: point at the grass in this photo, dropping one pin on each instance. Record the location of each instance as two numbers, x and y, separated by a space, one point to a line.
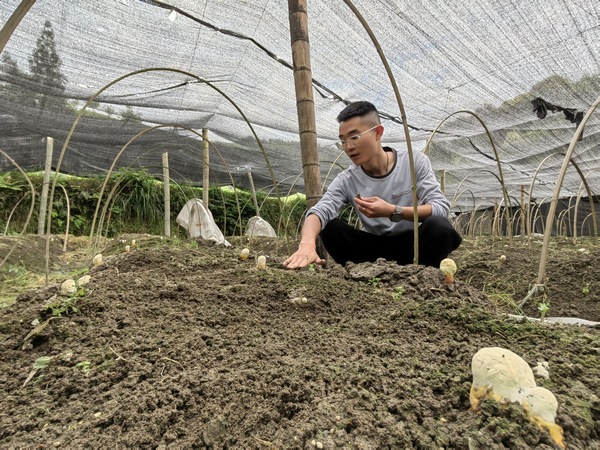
15 279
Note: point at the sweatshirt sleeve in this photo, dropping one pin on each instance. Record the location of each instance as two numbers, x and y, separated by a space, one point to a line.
331 203
428 188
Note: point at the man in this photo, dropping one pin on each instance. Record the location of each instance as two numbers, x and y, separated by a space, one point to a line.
379 186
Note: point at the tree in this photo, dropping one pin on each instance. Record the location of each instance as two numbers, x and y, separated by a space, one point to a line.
44 65
130 115
13 90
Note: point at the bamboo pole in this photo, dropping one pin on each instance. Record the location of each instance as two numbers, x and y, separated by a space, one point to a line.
45 185
304 100
411 161
167 189
13 21
206 167
253 192
523 199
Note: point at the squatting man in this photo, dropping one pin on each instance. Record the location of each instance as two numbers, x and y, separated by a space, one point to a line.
379 186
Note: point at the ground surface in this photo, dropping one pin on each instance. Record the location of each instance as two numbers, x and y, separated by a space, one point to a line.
186 346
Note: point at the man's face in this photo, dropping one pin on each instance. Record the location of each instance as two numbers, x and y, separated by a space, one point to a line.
359 139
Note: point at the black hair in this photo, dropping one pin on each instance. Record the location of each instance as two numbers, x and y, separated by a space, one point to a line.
358 109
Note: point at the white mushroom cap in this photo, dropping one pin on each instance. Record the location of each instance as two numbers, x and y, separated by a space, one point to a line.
448 266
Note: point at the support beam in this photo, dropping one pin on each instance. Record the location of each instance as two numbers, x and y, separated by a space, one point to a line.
13 21
205 167
304 100
167 192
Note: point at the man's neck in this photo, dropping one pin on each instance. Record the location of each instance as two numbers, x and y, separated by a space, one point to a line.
379 165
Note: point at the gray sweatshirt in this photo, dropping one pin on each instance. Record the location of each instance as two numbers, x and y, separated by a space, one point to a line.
394 188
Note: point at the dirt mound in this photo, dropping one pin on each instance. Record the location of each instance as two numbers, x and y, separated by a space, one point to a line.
190 347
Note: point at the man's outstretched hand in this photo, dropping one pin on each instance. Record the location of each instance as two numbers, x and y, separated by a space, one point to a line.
305 255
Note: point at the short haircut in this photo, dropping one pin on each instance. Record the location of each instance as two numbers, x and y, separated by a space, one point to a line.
360 109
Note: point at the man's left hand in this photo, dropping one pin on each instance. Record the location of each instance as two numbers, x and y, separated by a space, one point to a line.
374 207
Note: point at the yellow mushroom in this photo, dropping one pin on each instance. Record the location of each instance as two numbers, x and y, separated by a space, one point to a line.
503 376
244 254
261 262
448 268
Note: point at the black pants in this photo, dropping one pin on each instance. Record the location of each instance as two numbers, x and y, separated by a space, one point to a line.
437 238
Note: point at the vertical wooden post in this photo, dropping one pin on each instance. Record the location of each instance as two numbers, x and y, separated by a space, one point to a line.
523 199
253 192
14 20
304 100
443 181
45 185
205 167
167 190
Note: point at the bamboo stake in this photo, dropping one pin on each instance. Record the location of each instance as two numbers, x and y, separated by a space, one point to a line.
539 286
304 100
167 190
411 160
45 185
305 106
13 21
253 192
523 199
206 167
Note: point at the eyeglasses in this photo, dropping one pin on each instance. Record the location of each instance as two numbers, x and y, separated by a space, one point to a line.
352 141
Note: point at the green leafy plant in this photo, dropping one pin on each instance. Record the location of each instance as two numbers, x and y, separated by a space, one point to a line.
586 289
67 305
374 282
398 293
85 366
311 267
42 362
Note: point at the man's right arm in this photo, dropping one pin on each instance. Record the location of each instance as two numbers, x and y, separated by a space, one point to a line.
307 249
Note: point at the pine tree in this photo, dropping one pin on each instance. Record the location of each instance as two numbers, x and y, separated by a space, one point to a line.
13 90
44 65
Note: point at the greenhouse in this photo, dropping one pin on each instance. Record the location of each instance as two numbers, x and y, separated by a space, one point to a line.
157 163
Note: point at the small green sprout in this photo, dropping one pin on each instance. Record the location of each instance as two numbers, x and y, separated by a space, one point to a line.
311 267
85 366
67 305
42 362
586 289
374 282
398 293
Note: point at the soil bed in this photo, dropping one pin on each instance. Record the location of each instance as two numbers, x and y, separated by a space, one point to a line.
186 346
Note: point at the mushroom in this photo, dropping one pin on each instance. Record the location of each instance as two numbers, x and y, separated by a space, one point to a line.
261 262
448 268
97 259
503 376
244 254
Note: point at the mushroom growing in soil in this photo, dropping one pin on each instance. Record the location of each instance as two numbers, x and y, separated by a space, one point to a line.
502 375
97 259
261 262
244 254
448 268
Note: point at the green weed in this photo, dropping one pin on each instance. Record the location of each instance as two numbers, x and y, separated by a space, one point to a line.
85 366
398 293
374 282
67 305
586 289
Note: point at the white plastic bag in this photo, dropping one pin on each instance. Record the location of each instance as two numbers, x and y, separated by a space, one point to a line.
199 222
257 226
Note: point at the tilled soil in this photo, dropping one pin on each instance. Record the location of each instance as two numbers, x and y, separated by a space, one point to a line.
189 347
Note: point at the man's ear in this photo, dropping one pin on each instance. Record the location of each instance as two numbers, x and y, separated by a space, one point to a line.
379 132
